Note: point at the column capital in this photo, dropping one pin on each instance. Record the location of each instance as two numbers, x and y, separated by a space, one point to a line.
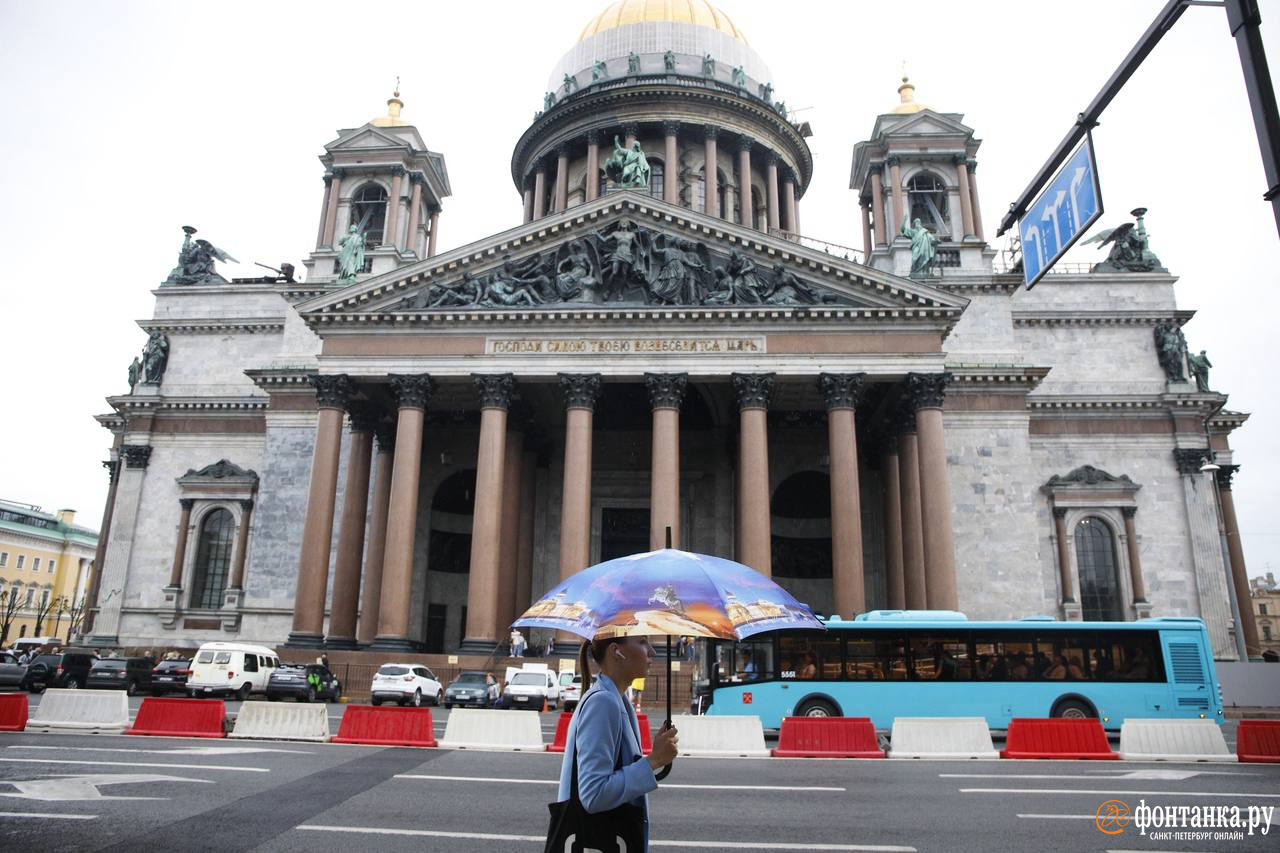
971 165
338 172
1060 512
893 160
710 131
903 419
495 389
581 390
631 128
593 136
332 391
666 390
562 150
399 171
959 160
412 390
1128 511
1190 460
875 169
771 158
670 128
787 175
744 143
136 456
753 390
186 504
384 433
328 178
540 165
246 505
1224 475
112 467
927 390
362 416
841 390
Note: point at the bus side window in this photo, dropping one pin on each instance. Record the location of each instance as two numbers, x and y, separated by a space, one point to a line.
1134 656
940 657
1064 656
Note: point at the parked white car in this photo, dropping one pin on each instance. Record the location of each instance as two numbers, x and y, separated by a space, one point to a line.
530 687
570 689
231 669
407 684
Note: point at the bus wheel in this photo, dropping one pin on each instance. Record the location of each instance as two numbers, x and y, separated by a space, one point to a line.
1073 709
816 708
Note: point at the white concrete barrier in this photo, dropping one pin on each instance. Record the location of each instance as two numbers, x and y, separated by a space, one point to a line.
276 721
941 737
709 736
478 728
81 712
1172 740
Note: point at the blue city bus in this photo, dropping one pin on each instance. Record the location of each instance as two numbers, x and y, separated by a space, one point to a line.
900 663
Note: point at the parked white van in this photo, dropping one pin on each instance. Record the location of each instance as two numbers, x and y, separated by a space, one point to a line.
231 669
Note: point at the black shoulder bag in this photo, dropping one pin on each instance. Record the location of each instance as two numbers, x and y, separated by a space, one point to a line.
573 829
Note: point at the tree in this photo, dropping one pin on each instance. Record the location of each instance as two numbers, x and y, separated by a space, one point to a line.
10 604
42 609
75 618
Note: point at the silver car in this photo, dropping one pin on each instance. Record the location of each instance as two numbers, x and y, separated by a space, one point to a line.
11 672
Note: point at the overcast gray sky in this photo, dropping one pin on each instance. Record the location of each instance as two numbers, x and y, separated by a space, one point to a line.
125 120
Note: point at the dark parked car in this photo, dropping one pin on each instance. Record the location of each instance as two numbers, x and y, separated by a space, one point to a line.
170 675
472 688
61 670
128 674
303 683
12 673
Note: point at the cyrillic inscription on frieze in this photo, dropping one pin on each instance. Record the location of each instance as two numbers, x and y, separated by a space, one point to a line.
625 346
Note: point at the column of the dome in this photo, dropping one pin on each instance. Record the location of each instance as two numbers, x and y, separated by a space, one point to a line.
670 172
431 238
771 189
866 229
966 197
415 212
973 199
895 176
540 191
391 237
324 211
331 215
789 202
631 130
745 213
710 172
877 206
562 178
593 164
528 202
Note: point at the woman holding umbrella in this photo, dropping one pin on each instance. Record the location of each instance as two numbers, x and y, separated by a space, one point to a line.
604 737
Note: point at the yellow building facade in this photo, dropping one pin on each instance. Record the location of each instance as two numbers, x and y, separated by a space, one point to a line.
45 565
1265 599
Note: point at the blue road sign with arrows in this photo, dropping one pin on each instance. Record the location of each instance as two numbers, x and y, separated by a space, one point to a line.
1061 214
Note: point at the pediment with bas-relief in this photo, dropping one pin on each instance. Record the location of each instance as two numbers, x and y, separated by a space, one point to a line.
366 137
928 123
632 255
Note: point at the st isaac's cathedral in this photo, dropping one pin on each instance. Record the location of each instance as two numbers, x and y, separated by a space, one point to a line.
401 449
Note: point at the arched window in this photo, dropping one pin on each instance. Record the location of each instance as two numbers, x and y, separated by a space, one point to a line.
213 559
927 196
369 213
657 172
1096 563
699 194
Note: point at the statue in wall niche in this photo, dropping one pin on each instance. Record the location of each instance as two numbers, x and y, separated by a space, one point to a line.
1171 350
599 71
628 168
1130 248
633 63
155 358
1200 365
195 261
135 372
570 84
739 77
669 61
350 254
708 66
924 245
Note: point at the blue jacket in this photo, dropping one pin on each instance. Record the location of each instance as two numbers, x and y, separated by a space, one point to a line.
607 736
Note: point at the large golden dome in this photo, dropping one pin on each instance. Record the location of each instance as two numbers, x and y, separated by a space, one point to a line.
698 12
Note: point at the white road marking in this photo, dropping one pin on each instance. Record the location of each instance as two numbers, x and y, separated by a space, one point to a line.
1108 792
653 842
505 781
49 815
135 764
65 788
186 750
1146 775
1058 816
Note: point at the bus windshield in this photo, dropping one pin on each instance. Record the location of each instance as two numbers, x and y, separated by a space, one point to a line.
998 670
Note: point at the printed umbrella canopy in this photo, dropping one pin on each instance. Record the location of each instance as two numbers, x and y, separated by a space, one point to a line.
671 592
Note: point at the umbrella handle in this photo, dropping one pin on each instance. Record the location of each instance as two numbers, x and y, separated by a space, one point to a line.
663 773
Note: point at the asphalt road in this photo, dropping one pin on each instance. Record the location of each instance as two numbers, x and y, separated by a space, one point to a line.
104 792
